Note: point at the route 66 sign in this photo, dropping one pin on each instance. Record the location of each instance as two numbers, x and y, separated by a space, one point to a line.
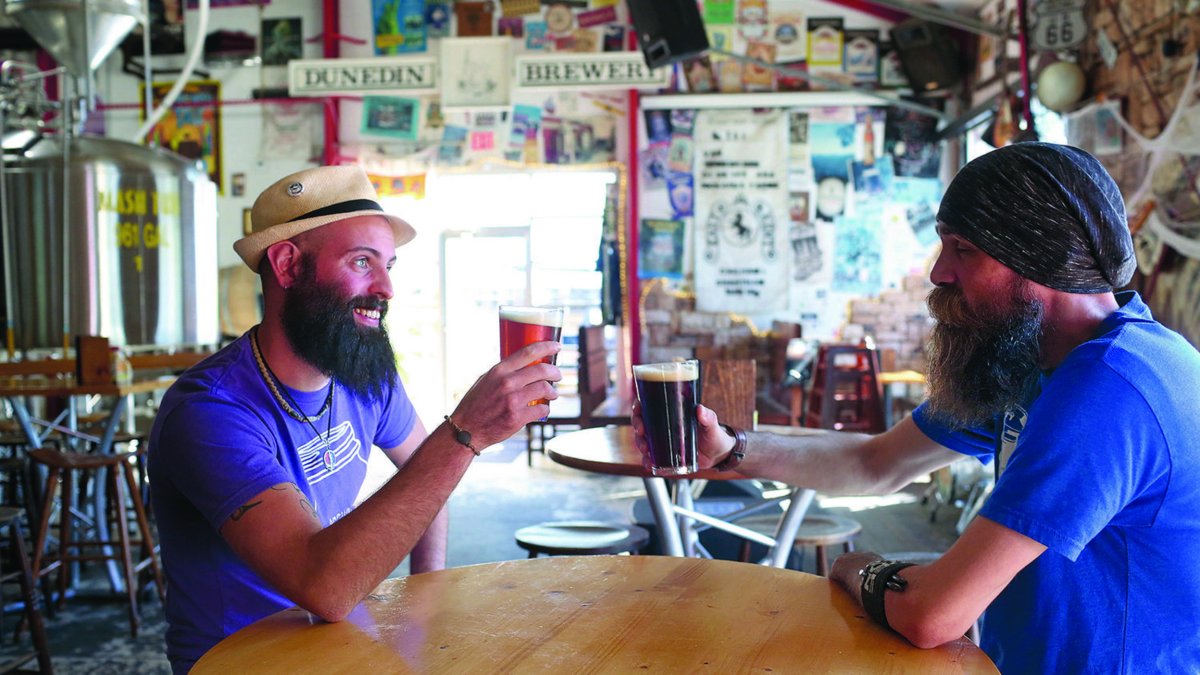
1060 24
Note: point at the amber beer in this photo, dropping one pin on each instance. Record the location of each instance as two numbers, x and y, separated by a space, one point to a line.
668 394
521 326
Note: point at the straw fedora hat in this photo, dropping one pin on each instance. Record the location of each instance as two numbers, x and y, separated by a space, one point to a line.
309 199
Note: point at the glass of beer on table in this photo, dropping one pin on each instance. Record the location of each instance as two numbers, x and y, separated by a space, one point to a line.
668 394
521 326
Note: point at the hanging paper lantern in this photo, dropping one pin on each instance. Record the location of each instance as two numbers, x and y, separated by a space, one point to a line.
1060 85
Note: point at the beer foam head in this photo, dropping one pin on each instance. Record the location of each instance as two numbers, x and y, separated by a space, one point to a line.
535 316
679 371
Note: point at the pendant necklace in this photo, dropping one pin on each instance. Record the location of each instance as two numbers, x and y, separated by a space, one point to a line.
290 406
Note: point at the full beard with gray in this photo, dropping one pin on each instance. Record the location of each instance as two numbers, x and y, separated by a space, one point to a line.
981 360
319 322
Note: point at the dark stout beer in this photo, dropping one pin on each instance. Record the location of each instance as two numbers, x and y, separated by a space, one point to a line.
668 393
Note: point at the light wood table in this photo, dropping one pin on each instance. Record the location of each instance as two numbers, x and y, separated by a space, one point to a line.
591 614
893 377
610 450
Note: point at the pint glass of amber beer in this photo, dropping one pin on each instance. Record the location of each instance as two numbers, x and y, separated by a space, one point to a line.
668 394
520 326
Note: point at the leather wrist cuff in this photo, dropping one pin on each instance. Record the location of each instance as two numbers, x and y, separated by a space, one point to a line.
738 453
877 578
461 435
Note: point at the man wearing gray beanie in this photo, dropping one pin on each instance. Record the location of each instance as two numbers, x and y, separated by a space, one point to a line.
1087 408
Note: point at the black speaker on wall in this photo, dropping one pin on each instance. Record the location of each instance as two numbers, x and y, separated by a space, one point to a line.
928 55
668 30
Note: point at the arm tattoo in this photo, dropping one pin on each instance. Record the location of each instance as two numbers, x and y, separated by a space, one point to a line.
306 505
241 510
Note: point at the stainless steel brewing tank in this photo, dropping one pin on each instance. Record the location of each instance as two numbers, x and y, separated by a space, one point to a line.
132 256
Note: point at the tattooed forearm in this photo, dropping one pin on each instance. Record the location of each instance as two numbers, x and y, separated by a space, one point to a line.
307 505
241 510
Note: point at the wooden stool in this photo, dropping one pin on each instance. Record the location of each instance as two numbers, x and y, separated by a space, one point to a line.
581 537
10 518
62 467
818 531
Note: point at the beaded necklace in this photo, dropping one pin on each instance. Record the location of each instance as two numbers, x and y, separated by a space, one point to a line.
290 406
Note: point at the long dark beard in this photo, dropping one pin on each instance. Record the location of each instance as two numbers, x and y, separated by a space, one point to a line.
320 324
981 360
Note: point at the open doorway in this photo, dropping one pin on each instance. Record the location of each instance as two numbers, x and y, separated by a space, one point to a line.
478 232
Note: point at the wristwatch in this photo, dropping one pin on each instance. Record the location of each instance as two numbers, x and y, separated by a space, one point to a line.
738 453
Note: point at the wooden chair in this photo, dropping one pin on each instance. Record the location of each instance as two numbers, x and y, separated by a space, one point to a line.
781 400
597 405
727 386
10 519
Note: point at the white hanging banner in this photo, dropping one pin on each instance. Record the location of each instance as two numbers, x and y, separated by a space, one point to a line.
741 211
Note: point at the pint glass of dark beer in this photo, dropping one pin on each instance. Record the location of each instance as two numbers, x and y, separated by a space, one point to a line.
668 394
520 326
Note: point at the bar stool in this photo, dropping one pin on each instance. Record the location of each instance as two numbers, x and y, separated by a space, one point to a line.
846 394
581 537
818 531
10 519
62 467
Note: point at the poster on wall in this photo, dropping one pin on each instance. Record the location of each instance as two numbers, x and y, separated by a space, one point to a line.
282 41
741 207
399 26
660 248
192 127
475 72
858 253
911 138
390 116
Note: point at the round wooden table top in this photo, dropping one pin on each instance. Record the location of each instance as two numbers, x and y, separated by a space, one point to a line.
610 450
592 614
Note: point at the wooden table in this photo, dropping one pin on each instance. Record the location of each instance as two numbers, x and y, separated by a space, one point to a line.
610 450
892 377
591 614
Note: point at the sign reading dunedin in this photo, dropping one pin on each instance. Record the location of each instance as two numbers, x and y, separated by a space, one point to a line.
358 77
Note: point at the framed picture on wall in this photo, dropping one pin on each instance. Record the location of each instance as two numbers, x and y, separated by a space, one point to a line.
192 127
475 72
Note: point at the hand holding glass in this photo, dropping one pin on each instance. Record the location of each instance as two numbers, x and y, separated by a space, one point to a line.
521 326
668 394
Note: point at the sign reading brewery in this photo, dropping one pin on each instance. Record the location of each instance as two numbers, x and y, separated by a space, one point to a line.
357 77
613 70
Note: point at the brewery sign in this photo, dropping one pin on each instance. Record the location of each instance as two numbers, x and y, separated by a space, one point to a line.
359 77
591 71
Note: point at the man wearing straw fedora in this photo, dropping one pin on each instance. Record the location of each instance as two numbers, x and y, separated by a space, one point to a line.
258 453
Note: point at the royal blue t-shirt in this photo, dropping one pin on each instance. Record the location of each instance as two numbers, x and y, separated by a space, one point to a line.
219 439
1102 465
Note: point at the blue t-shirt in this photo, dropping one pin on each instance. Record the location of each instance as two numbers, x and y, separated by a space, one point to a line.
219 439
1102 465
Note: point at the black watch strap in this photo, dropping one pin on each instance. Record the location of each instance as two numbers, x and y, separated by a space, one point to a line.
877 578
738 453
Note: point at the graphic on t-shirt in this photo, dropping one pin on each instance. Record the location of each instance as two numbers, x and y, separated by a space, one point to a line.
323 458
1010 432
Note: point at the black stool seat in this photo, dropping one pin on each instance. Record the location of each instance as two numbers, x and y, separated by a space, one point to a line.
581 537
